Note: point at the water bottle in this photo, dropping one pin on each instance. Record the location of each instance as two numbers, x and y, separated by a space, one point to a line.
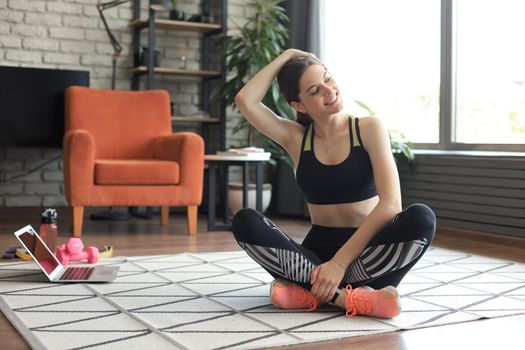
48 228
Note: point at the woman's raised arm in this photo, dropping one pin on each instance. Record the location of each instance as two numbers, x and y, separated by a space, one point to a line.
249 101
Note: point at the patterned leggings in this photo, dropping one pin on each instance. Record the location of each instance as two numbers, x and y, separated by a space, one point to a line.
385 261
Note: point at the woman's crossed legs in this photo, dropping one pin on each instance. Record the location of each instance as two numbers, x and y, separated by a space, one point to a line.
384 262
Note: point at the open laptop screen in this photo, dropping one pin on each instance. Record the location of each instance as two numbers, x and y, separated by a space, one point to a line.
39 251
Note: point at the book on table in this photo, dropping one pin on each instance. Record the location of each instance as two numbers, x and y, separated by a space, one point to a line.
244 152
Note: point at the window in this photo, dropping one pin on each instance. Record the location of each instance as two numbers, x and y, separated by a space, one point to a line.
398 57
490 80
386 55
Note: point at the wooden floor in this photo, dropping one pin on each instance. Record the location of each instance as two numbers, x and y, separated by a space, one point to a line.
145 237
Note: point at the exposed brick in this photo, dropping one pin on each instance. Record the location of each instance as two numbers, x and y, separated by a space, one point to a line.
23 201
181 98
64 7
95 60
105 49
80 22
96 35
11 42
18 176
42 188
66 33
125 13
28 5
11 16
77 46
4 28
117 26
126 38
11 188
40 44
60 58
52 153
236 10
43 18
101 72
85 2
91 11
194 44
11 165
29 30
53 175
188 109
101 83
39 163
55 201
24 56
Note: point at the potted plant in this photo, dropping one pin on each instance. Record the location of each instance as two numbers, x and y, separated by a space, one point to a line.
402 148
259 41
176 14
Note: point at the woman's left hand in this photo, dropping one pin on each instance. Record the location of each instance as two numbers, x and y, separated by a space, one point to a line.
325 279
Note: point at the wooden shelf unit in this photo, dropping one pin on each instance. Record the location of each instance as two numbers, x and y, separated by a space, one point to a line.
178 71
205 30
190 119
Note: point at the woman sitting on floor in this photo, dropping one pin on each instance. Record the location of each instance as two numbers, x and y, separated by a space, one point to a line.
361 244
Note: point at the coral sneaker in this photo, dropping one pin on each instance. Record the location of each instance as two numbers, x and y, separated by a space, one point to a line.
287 295
383 303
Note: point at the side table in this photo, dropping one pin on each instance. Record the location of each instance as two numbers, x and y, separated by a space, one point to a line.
223 162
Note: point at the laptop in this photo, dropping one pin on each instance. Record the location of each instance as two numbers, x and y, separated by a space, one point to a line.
54 270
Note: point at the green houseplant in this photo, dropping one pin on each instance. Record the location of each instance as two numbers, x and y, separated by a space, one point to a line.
254 45
175 14
402 148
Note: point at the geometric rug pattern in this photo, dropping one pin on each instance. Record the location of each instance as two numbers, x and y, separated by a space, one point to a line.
220 301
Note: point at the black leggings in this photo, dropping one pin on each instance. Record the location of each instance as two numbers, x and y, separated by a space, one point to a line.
385 261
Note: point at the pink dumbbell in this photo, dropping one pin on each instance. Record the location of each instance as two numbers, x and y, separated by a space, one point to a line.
72 251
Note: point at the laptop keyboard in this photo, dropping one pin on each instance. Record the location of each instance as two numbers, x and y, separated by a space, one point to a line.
77 273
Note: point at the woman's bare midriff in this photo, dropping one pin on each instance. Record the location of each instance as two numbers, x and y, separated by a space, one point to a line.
342 215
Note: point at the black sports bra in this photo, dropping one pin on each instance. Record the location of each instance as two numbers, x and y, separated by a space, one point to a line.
349 181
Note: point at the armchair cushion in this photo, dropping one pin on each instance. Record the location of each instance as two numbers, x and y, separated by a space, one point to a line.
136 172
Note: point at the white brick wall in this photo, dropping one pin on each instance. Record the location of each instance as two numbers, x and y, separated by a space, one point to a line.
68 34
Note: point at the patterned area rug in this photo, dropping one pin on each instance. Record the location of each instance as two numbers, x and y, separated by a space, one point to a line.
220 301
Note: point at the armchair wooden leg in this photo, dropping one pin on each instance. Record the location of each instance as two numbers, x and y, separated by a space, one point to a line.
192 219
164 215
78 217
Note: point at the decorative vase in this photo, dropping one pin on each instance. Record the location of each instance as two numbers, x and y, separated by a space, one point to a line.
177 15
235 196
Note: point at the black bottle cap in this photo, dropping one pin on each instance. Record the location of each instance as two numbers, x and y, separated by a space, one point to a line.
48 216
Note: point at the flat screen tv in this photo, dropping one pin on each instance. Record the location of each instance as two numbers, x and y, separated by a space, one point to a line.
32 105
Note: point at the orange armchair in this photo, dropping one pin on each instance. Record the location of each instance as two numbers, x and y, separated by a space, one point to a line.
119 150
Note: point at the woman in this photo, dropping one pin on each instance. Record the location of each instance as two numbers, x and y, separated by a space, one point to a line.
361 244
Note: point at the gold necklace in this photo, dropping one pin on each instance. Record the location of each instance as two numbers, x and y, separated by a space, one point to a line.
329 147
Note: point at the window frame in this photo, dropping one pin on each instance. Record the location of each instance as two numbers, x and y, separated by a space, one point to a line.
447 91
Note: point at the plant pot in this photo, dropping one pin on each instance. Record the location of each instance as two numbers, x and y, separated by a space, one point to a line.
235 196
288 199
144 57
177 15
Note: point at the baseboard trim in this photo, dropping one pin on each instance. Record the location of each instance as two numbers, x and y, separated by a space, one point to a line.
478 236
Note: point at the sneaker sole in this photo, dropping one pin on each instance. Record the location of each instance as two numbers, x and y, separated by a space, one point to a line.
398 299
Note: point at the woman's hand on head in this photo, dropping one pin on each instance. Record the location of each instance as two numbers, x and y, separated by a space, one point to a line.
325 279
296 52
